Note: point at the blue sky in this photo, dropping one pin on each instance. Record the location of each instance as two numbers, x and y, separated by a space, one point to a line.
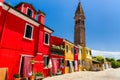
102 20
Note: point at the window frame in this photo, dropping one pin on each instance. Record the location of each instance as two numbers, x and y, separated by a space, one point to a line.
48 38
31 32
67 48
46 66
27 12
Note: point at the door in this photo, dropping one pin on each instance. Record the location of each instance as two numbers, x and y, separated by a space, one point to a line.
25 66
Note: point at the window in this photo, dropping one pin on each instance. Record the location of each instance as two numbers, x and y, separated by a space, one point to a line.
86 51
46 61
74 50
79 62
90 52
82 63
78 21
75 22
61 62
29 12
46 39
67 48
83 22
67 63
28 32
73 63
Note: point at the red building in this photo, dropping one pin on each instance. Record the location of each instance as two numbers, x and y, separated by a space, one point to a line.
57 55
76 51
23 38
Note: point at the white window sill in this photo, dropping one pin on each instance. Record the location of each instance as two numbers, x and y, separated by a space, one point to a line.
28 38
46 44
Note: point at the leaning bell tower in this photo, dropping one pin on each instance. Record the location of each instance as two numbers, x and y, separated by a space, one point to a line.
79 27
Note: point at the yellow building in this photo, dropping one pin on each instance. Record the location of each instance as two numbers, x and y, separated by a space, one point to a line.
86 58
80 58
69 56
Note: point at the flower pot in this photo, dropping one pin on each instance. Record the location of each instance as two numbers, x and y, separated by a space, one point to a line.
16 78
32 77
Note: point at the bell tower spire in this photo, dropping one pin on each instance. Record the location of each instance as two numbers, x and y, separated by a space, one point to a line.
79 27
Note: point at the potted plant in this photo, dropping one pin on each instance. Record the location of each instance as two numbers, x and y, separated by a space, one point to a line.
16 77
32 77
32 61
39 75
59 72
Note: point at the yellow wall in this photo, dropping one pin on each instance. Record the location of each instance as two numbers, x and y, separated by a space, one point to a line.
87 58
80 58
69 55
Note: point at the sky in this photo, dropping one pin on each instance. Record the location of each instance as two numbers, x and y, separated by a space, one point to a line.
102 21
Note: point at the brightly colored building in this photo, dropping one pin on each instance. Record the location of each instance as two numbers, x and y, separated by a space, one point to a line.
88 59
57 55
69 56
76 53
22 39
80 58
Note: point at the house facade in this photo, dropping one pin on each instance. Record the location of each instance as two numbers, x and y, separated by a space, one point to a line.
69 56
22 39
57 55
26 44
79 58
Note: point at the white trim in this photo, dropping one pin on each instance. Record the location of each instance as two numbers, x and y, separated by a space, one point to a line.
31 33
5 7
46 56
27 55
22 7
48 38
20 63
39 53
12 11
47 30
21 57
31 10
16 13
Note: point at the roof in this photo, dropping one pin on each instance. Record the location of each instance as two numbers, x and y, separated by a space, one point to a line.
25 3
96 62
39 11
79 9
28 16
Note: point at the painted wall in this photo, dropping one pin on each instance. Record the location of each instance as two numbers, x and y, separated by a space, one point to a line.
13 44
69 55
23 8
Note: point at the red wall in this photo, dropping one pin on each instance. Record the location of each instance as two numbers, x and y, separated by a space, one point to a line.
76 55
25 9
13 44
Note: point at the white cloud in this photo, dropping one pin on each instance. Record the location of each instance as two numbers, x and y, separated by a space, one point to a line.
115 55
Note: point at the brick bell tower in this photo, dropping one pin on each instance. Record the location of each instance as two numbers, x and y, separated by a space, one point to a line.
79 27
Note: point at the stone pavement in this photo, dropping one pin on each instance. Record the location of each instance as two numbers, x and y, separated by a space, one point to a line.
109 74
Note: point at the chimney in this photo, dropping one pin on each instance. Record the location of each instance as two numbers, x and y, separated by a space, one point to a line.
41 17
1 3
